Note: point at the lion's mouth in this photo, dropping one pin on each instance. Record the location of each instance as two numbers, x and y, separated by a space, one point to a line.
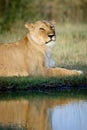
52 38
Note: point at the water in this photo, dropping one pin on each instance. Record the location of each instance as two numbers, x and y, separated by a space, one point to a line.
72 116
43 114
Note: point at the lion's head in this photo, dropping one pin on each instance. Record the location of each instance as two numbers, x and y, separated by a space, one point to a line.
42 32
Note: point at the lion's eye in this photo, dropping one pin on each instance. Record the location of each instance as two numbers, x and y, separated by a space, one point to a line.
42 29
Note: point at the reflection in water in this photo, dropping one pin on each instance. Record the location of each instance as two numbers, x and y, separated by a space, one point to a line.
70 117
35 114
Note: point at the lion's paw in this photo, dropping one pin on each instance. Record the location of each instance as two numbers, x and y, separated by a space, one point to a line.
80 72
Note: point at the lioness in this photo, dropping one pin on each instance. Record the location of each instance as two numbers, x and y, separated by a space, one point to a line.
32 55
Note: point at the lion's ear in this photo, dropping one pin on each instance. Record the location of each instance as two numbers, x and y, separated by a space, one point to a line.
53 22
28 25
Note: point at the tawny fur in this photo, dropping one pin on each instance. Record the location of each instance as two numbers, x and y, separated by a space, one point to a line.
30 56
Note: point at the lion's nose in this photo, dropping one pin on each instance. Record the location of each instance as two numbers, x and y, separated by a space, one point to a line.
50 35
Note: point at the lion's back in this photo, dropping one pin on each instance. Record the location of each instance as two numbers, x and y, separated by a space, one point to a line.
11 60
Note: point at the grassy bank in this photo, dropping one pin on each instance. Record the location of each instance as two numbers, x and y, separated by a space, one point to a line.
38 84
69 52
37 87
11 127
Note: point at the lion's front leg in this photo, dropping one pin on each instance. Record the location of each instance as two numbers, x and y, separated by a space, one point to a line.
61 72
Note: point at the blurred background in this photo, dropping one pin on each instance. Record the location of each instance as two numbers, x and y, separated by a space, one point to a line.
13 13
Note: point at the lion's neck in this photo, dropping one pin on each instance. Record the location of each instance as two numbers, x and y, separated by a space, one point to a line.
49 59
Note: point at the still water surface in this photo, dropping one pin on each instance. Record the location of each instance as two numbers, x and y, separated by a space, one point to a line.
72 116
43 114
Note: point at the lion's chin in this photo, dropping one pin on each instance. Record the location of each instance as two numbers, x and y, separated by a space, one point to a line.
51 43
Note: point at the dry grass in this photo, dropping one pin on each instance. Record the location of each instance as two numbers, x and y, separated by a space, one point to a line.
71 47
70 50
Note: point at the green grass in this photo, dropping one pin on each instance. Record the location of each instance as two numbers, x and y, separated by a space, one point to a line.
11 127
40 84
37 87
70 52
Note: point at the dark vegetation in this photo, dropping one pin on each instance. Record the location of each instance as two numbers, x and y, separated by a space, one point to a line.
11 127
15 13
44 85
